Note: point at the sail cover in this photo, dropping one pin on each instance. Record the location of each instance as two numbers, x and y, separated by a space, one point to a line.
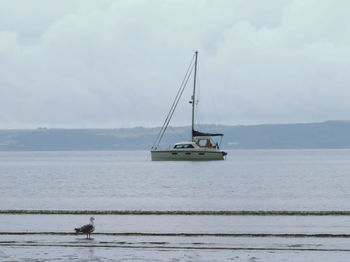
197 133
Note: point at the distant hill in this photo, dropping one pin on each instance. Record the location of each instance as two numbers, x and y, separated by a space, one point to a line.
330 134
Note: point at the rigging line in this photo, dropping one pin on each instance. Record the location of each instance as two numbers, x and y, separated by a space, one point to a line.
198 118
178 95
173 110
173 107
188 77
157 141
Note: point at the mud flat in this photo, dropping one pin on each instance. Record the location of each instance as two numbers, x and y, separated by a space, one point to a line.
175 238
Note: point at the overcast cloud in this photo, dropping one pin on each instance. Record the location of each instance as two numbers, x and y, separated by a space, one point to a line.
69 63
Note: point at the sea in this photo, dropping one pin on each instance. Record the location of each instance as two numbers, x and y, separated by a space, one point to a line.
257 205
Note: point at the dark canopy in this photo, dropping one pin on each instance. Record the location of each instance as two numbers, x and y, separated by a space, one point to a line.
197 133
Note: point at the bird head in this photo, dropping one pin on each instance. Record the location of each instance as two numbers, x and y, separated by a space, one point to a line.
92 219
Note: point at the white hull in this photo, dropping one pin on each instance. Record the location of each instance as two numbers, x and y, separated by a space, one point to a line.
187 155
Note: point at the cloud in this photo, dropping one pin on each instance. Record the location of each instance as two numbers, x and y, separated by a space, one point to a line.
120 63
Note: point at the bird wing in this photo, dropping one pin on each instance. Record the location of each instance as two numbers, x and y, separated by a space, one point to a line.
87 228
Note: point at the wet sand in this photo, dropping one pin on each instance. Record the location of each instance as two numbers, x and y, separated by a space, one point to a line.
175 238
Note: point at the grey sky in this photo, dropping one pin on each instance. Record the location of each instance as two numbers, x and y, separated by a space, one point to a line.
69 63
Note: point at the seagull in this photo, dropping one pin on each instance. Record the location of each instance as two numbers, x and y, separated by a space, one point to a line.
86 229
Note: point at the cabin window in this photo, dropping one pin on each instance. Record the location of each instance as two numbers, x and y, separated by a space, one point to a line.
184 146
201 154
174 153
187 153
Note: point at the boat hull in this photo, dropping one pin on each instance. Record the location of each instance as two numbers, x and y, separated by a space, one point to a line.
187 155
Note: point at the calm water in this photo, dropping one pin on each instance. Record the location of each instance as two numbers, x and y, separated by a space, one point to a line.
128 180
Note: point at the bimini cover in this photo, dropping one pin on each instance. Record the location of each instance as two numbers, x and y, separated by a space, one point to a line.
197 133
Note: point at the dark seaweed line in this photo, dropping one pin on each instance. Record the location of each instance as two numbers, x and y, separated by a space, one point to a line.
178 247
176 212
190 234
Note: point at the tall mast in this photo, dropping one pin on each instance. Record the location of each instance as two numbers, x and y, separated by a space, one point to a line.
194 92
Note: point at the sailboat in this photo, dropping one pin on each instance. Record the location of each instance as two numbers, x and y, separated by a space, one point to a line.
201 146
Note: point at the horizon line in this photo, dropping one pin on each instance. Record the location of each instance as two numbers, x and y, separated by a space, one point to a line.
171 126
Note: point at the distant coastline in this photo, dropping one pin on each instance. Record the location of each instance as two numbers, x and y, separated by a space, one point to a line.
329 134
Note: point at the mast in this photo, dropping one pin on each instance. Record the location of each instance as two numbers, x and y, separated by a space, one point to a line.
193 100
